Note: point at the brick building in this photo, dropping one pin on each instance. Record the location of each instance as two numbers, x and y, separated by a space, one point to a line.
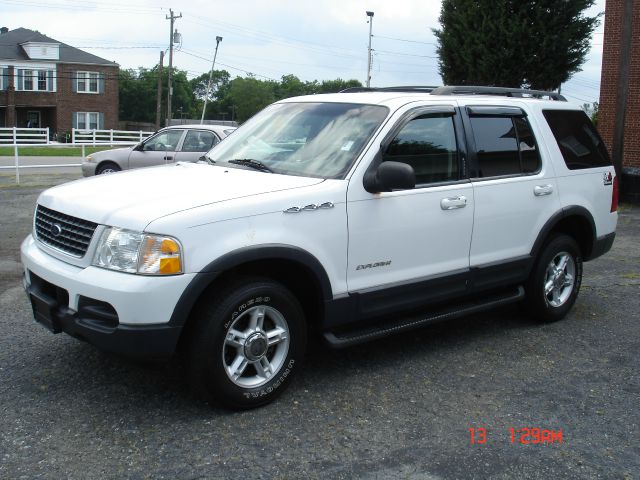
630 183
45 83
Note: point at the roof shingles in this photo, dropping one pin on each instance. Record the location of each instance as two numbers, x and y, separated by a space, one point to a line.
11 41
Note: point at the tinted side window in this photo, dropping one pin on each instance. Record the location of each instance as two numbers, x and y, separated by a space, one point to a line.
529 155
496 146
505 146
428 144
579 142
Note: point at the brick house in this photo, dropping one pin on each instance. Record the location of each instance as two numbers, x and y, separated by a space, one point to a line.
45 83
630 184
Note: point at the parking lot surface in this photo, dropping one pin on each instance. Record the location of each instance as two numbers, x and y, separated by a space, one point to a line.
400 408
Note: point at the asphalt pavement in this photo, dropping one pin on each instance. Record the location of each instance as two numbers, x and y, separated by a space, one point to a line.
398 408
36 166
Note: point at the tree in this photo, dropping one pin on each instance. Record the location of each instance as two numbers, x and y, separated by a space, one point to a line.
513 43
138 91
334 86
591 109
249 95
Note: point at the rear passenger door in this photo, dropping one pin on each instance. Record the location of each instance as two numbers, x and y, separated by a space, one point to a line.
196 143
514 188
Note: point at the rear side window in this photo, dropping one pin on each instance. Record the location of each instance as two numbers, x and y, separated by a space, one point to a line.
505 145
579 142
428 144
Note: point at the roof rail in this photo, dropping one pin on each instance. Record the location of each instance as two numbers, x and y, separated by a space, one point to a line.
407 89
502 91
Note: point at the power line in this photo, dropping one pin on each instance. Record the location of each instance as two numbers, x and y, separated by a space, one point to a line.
405 40
386 52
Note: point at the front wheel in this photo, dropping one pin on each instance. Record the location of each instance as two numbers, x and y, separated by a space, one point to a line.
555 281
107 167
250 339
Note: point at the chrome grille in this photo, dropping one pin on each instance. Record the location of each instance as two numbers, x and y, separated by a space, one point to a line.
70 234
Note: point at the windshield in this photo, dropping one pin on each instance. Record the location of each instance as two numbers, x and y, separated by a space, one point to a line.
307 139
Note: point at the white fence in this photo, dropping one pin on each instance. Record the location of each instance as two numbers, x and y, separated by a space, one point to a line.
109 137
16 136
39 137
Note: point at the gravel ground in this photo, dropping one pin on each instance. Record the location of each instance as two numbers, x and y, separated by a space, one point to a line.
399 408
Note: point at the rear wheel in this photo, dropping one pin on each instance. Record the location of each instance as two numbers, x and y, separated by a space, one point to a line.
107 167
249 341
554 284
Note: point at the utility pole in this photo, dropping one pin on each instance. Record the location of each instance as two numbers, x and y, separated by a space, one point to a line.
623 87
159 100
206 96
370 21
173 18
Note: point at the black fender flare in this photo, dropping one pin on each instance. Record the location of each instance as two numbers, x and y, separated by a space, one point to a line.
241 256
572 210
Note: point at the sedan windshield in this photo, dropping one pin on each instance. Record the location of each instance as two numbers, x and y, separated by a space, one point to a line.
307 139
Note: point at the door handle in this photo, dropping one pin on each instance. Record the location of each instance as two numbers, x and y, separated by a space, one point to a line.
541 190
452 203
168 158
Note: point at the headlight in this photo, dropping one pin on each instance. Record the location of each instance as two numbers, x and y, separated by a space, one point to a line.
136 252
89 158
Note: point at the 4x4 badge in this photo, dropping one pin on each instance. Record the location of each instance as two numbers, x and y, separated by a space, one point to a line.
607 178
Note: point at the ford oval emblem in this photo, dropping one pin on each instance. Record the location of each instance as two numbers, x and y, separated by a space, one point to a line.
56 229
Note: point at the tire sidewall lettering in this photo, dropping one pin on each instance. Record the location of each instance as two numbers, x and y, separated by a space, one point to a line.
260 300
272 387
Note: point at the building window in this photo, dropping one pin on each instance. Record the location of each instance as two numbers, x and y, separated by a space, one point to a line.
35 80
42 80
87 82
89 121
28 80
4 79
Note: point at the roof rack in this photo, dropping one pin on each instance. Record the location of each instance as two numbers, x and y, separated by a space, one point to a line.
463 90
406 89
503 91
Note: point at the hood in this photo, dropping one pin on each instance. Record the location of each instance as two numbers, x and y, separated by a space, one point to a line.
109 153
134 198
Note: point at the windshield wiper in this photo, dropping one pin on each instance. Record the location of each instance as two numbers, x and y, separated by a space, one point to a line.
250 162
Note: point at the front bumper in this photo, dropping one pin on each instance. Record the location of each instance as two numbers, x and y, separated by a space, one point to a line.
88 169
117 312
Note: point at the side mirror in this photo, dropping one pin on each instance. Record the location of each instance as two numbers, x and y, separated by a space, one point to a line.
139 147
390 176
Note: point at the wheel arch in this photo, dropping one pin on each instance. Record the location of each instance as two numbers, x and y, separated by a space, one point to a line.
575 221
295 268
108 161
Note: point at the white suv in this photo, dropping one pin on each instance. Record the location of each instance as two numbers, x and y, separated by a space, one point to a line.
355 215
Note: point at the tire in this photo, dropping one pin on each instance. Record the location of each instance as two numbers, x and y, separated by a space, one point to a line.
554 283
107 167
230 359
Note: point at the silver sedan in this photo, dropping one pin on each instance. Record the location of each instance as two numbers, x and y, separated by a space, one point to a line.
180 143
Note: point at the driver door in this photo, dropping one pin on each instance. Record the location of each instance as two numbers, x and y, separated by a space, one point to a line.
411 247
157 149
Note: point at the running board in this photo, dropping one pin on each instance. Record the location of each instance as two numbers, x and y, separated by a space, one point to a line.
371 332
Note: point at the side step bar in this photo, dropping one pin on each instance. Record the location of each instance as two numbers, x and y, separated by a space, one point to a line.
371 332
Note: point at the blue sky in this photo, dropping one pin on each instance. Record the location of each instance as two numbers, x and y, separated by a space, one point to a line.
314 40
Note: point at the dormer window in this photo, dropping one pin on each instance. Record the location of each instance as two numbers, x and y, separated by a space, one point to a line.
42 50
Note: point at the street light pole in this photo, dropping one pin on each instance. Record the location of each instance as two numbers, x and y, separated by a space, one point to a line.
370 15
206 95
